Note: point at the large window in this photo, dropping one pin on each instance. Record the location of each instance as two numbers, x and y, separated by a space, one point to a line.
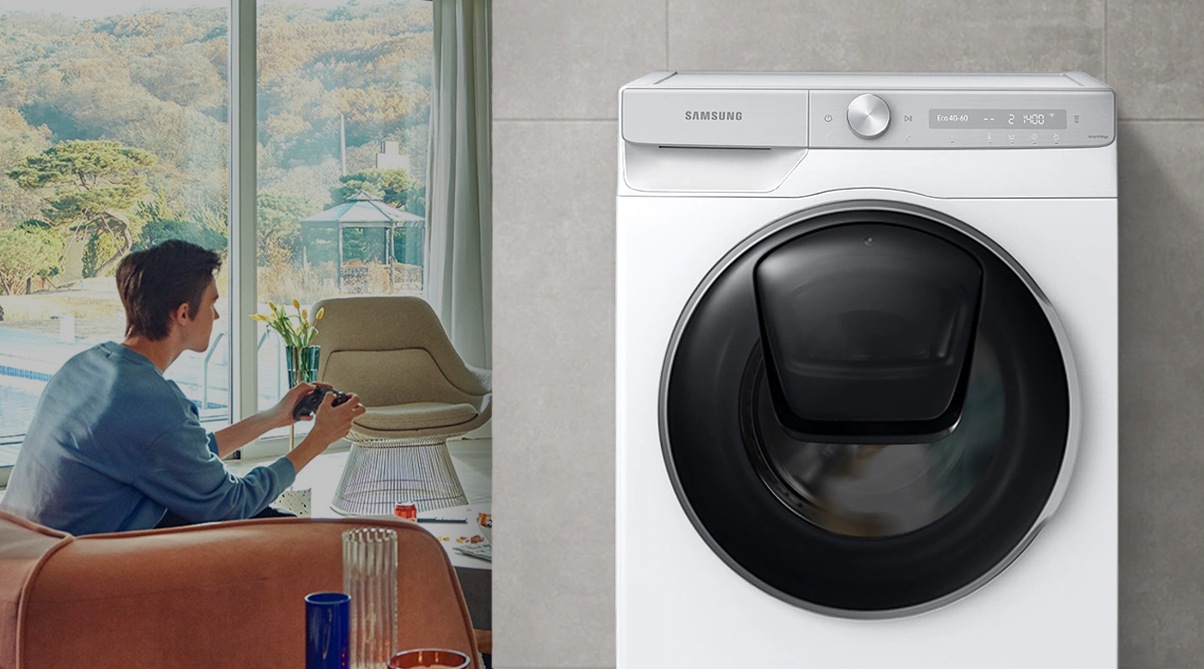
343 104
112 138
137 91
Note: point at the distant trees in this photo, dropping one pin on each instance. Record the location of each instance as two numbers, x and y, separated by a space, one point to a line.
160 221
113 131
391 186
25 252
18 139
90 186
279 228
159 231
370 63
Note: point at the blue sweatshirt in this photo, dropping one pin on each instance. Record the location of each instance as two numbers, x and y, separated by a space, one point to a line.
113 445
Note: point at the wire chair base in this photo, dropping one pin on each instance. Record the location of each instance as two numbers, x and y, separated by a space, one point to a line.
382 472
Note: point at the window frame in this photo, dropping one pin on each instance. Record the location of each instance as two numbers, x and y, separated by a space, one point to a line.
243 174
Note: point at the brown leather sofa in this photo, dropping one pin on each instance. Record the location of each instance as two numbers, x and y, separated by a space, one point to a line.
217 595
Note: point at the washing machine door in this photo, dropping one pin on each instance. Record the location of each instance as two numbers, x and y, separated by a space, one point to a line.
868 410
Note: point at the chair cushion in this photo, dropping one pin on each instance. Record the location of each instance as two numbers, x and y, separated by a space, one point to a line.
383 378
416 416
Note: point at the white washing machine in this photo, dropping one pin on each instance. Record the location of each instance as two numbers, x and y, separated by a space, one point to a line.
867 371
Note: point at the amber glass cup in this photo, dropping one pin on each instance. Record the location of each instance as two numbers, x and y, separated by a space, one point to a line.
429 658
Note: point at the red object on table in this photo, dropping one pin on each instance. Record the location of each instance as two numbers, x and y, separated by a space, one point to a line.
406 511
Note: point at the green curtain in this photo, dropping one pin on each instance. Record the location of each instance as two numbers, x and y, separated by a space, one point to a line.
459 184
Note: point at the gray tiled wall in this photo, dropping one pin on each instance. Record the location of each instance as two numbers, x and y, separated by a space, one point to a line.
557 68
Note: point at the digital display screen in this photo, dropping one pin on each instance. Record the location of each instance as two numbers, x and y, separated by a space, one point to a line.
997 119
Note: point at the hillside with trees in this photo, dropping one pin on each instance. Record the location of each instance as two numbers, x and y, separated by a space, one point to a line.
113 132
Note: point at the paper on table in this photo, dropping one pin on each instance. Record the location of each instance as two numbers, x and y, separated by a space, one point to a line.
483 551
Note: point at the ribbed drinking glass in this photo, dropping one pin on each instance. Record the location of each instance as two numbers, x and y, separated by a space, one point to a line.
370 577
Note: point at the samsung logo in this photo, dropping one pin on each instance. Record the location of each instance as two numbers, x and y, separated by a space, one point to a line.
714 116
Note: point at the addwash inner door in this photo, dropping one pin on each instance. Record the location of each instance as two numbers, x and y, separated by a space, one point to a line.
868 409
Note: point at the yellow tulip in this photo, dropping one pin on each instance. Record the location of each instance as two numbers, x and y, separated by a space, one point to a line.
305 317
297 305
320 314
259 317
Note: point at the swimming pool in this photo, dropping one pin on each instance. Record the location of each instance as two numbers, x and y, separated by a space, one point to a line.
18 399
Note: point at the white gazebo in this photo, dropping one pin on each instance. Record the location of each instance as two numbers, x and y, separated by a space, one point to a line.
361 211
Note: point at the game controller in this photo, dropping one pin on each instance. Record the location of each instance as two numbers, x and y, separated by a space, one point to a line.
310 403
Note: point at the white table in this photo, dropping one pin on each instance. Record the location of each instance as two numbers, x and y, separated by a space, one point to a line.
473 460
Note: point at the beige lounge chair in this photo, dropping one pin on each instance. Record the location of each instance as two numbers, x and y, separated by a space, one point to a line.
393 352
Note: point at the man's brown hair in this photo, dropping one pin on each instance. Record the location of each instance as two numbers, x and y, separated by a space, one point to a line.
154 282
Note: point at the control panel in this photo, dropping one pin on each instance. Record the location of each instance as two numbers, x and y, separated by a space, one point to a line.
961 119
883 119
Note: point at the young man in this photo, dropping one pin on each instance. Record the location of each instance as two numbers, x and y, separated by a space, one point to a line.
114 445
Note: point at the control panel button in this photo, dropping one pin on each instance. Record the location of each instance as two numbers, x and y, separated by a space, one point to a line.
868 116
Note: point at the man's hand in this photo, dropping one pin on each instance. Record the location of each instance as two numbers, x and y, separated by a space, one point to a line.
332 423
281 415
247 430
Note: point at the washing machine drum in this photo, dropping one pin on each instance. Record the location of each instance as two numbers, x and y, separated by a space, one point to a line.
867 412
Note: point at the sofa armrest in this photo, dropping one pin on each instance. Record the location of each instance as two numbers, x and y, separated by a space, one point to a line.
24 547
221 595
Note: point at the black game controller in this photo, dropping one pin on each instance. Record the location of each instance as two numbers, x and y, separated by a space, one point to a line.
310 403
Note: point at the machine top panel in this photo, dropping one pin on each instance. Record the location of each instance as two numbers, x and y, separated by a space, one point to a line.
879 81
868 111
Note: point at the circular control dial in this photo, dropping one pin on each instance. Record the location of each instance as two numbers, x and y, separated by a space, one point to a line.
868 116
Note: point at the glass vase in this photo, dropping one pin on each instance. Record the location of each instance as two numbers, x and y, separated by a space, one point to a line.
302 362
370 577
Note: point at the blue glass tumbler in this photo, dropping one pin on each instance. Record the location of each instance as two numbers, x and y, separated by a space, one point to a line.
327 630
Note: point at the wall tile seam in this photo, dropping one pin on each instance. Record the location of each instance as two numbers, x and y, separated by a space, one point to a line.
1160 120
667 58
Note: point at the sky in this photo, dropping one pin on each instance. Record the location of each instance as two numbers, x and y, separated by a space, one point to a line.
93 9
